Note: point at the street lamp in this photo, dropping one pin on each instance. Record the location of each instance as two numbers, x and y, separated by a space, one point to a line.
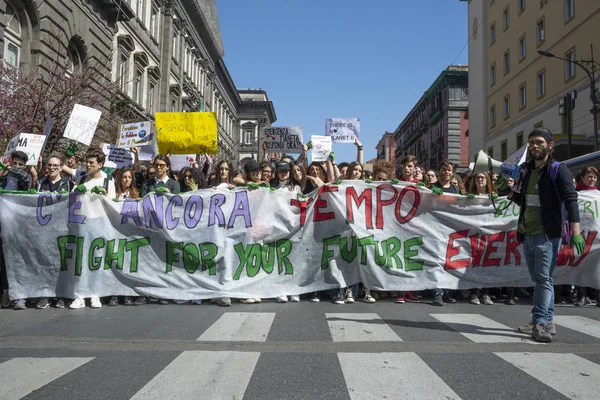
590 67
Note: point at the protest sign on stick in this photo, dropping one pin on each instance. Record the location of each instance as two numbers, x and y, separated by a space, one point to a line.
136 134
287 139
321 147
342 130
28 143
186 132
82 124
116 157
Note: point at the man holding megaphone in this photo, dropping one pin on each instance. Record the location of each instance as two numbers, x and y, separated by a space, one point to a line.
543 191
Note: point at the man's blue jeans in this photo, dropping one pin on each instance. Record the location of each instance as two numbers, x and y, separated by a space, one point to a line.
540 254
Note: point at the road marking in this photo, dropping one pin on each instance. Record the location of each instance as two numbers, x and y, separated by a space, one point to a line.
582 324
481 329
568 374
202 375
364 327
22 375
240 327
391 376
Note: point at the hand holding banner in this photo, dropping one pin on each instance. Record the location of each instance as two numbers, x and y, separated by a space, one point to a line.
186 132
82 124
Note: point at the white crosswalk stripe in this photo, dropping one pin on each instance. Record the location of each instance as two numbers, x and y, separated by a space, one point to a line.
202 375
481 329
392 376
568 374
240 327
364 327
582 324
21 376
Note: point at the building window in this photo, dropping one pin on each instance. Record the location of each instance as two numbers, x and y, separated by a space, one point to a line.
139 9
506 18
522 96
492 74
154 22
503 151
570 65
506 107
491 151
151 94
12 38
521 6
138 72
493 115
123 71
248 136
506 62
541 84
519 140
175 45
569 9
540 31
522 48
492 33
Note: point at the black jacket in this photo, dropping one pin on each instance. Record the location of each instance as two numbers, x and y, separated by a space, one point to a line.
549 203
44 185
150 185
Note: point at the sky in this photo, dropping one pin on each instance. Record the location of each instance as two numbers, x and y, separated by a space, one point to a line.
321 59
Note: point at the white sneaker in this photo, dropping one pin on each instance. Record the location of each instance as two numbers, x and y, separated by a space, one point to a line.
257 300
368 297
77 303
349 296
340 297
295 298
247 301
315 299
282 299
95 302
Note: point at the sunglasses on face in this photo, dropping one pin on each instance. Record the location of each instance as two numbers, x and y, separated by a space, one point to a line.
161 166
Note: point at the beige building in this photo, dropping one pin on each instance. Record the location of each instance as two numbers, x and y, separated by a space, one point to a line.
514 89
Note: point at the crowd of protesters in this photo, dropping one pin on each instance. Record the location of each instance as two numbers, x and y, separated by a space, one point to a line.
279 173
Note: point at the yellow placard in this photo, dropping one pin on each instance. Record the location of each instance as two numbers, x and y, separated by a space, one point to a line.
186 133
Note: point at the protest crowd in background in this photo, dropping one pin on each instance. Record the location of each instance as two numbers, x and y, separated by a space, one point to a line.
59 173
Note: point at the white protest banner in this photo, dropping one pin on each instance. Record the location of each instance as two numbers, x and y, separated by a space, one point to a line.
342 130
28 143
135 134
510 167
240 244
287 139
321 147
82 124
181 161
117 158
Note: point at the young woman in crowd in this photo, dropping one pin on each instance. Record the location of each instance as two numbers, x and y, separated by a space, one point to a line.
429 178
162 165
456 180
125 186
481 185
223 176
266 171
587 179
300 177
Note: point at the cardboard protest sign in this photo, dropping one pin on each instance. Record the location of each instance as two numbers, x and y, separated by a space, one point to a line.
28 143
82 124
187 132
180 161
321 147
287 139
116 157
342 130
135 134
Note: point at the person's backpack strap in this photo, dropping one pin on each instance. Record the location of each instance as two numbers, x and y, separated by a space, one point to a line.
105 184
553 175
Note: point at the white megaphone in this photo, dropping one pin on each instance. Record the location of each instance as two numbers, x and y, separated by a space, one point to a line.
485 163
511 166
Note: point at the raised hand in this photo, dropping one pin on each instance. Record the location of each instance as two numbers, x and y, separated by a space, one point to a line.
71 150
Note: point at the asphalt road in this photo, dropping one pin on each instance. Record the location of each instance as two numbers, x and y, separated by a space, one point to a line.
296 351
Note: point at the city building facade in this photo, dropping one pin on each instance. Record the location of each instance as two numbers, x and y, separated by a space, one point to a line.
386 148
162 55
514 89
437 127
